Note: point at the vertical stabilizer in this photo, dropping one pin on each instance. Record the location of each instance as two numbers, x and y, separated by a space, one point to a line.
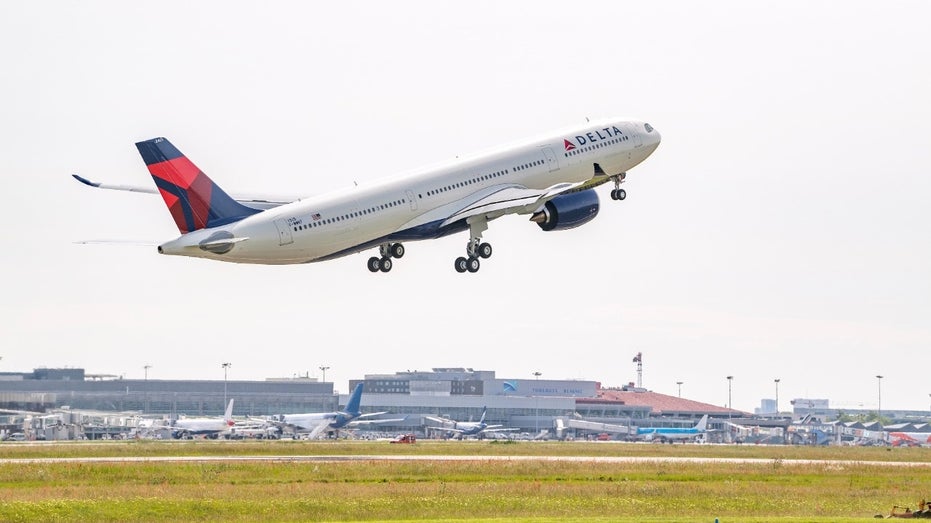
228 415
484 410
194 200
355 399
702 424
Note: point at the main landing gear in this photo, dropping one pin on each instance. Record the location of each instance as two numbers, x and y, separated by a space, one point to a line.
617 193
475 249
387 251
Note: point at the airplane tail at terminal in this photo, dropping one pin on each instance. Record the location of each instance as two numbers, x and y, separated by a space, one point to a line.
482 419
228 415
193 199
702 424
352 406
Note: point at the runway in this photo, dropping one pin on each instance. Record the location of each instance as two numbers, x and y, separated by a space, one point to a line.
440 458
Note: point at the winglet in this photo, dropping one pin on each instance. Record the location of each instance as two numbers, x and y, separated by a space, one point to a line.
85 181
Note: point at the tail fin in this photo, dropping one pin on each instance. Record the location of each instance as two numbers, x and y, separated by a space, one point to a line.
193 200
352 406
702 424
228 415
482 420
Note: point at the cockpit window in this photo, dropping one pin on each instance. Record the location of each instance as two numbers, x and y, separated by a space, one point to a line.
648 127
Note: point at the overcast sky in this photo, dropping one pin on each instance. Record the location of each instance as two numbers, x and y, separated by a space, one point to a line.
781 230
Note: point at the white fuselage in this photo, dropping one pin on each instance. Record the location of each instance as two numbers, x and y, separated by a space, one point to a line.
412 207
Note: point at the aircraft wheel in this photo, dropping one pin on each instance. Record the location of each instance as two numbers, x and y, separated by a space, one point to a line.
621 194
374 264
397 250
385 264
473 264
484 250
462 264
614 194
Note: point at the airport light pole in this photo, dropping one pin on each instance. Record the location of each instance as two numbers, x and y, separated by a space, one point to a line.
879 397
145 391
729 404
226 367
323 369
777 394
679 383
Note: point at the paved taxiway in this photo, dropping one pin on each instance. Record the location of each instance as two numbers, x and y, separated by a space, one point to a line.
378 457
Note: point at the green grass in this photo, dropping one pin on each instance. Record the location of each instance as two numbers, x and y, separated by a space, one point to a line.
451 448
474 490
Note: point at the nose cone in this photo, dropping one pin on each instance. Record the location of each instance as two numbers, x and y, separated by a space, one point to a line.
651 138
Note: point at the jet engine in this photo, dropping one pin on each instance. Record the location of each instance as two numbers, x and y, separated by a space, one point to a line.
567 211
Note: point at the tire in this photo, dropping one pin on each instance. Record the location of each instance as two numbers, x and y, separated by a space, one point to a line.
374 264
621 194
385 264
473 265
484 250
614 194
396 250
461 264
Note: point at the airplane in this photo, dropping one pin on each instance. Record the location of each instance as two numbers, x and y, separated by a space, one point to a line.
670 434
550 179
210 427
467 428
332 422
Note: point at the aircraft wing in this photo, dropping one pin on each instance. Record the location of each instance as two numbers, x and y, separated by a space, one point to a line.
439 420
250 201
500 429
357 422
513 199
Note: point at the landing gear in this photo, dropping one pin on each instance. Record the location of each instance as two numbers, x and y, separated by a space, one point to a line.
475 249
617 193
384 263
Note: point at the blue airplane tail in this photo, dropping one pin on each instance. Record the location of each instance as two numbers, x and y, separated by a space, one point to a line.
482 420
352 406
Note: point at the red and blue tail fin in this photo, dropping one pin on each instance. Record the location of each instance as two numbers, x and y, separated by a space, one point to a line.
193 200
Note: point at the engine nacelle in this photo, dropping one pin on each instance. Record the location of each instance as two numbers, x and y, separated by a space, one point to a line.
567 211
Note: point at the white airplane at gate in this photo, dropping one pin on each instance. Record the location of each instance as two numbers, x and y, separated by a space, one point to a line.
551 179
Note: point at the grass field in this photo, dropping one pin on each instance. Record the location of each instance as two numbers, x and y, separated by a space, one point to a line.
519 490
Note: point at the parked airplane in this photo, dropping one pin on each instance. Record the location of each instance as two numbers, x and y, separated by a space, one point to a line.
670 434
209 427
550 179
332 422
467 428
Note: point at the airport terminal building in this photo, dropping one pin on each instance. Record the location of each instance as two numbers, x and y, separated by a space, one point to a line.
531 405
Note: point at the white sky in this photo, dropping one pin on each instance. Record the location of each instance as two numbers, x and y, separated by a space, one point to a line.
782 229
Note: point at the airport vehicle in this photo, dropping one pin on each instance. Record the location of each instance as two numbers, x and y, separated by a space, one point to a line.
210 427
466 428
330 423
669 434
551 179
405 438
909 439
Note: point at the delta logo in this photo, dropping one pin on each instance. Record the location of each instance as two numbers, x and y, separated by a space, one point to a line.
592 137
